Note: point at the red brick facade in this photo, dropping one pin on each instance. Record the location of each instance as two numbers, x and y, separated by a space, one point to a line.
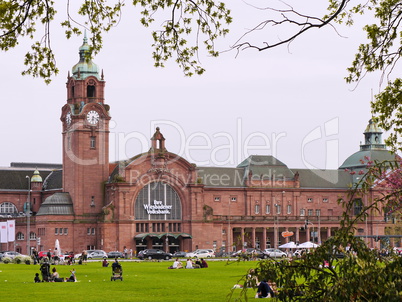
158 199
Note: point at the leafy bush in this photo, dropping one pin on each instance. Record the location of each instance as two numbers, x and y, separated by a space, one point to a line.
18 259
6 260
22 259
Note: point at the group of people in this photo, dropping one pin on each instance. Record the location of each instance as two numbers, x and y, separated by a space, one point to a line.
199 263
128 253
53 257
53 275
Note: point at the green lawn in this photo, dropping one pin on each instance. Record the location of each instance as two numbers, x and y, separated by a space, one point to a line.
142 281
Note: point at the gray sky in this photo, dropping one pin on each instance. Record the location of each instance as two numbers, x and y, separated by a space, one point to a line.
292 103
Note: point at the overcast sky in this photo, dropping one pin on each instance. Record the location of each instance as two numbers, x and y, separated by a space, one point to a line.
291 103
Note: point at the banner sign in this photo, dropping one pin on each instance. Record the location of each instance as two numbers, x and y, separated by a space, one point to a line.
11 230
3 232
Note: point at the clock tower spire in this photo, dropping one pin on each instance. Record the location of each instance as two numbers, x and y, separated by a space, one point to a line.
85 121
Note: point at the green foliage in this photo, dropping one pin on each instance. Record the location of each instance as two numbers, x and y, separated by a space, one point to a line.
6 260
22 260
186 18
388 110
381 53
21 19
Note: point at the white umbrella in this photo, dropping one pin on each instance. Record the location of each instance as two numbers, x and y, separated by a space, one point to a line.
289 245
308 245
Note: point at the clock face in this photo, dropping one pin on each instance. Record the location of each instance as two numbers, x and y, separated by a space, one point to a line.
68 118
93 117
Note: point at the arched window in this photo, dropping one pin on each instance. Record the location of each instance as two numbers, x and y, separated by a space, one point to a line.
91 91
32 236
257 209
8 208
158 201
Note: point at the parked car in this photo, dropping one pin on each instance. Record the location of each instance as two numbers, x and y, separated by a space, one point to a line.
201 253
78 256
10 254
97 254
154 254
115 254
179 254
249 253
274 253
42 254
222 253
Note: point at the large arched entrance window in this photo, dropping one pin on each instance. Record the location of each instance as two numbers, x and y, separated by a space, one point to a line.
158 214
158 201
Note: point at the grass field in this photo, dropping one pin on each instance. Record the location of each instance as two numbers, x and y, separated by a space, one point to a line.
142 281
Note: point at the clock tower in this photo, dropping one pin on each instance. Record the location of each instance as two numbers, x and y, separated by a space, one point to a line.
85 121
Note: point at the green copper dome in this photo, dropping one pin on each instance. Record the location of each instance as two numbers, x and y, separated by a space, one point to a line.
85 68
36 177
372 149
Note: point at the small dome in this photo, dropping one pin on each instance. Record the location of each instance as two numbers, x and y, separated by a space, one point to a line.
85 68
372 127
36 177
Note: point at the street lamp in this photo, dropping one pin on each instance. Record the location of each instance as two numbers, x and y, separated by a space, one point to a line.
276 225
229 230
28 213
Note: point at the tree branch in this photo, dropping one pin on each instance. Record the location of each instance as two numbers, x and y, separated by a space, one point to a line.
305 26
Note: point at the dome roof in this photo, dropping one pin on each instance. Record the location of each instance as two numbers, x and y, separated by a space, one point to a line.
57 204
36 177
85 67
372 150
359 159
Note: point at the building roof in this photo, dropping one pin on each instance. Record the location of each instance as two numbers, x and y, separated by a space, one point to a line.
221 177
268 167
54 181
16 179
359 159
57 204
40 166
265 167
320 179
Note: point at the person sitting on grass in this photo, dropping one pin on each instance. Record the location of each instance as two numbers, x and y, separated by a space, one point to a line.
198 263
72 277
177 264
264 290
189 263
204 264
37 279
105 263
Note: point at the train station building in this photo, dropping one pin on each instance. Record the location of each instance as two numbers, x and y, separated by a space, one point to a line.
158 199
